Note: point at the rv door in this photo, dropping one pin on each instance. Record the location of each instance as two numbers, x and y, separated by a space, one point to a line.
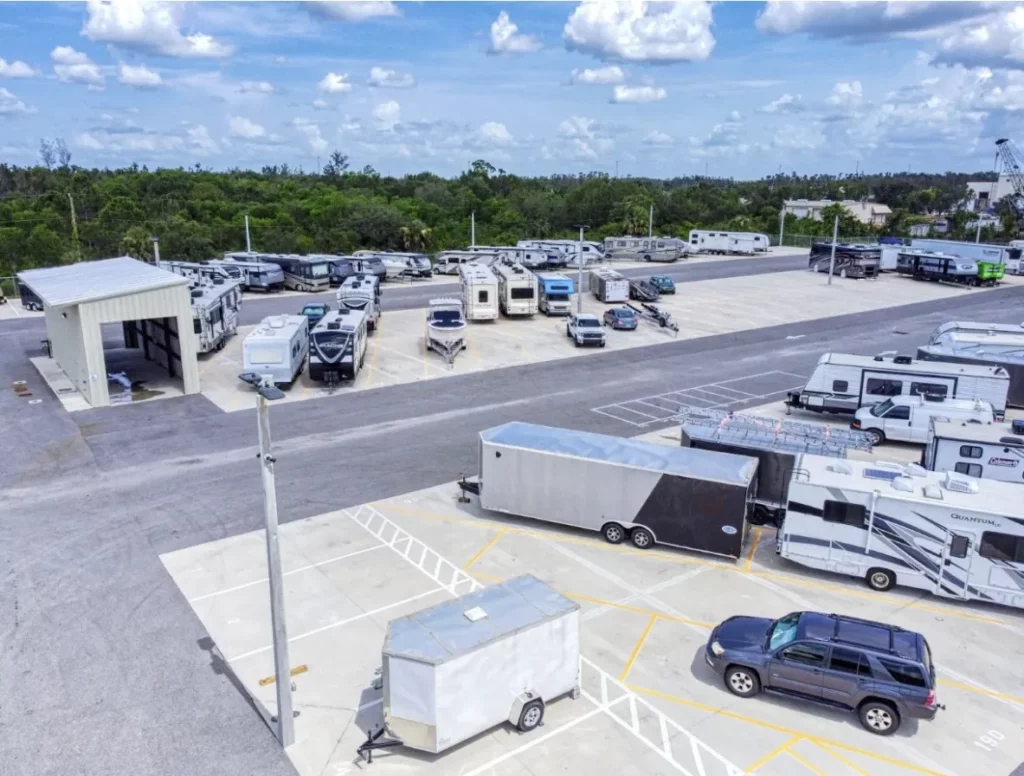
955 574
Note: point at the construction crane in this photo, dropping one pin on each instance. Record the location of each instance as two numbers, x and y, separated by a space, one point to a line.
1012 159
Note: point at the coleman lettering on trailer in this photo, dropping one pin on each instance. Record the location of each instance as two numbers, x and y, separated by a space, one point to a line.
1002 461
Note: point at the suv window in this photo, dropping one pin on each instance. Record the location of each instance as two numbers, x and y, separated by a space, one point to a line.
848 661
805 654
904 673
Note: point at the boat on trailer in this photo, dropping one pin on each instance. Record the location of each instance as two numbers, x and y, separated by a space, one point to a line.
446 328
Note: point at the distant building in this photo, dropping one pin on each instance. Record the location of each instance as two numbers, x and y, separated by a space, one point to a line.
920 230
871 213
985 194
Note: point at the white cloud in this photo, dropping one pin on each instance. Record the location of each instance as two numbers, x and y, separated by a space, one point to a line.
242 127
15 69
256 87
493 133
74 67
995 41
139 76
799 137
387 114
637 94
320 105
506 38
390 79
214 84
150 26
200 141
312 132
358 11
9 104
787 103
656 138
641 31
612 74
863 21
578 126
584 140
135 141
335 83
847 96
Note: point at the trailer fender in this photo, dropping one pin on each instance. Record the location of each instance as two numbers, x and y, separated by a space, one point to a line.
527 711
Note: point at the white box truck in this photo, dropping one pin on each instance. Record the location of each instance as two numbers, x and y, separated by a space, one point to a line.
462 667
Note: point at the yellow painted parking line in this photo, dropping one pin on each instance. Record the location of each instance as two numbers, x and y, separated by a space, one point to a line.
638 610
372 371
753 548
636 649
782 729
806 763
486 548
772 755
981 691
843 760
294 672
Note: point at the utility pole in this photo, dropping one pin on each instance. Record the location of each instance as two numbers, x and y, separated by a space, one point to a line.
248 244
472 229
977 234
156 249
579 270
650 223
832 258
74 230
782 222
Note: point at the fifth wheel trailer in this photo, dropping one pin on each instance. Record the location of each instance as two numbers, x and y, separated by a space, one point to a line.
694 499
988 344
464 666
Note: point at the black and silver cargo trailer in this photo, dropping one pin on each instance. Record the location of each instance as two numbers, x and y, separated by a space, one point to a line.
624 488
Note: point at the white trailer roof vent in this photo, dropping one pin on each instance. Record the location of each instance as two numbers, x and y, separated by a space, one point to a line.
915 470
958 483
839 467
933 491
475 614
904 484
277 323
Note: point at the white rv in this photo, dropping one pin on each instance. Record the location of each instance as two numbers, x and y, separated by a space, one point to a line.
448 262
479 290
278 346
990 450
908 418
517 289
954 536
608 285
531 258
361 292
665 249
215 308
719 242
337 346
843 383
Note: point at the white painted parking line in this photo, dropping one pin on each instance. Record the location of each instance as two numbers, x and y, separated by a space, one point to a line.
666 412
723 388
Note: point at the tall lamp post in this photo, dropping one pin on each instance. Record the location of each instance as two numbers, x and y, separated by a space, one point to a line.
579 269
267 392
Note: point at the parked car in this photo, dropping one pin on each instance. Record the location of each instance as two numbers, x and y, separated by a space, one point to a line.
643 291
664 284
314 312
882 673
620 318
584 329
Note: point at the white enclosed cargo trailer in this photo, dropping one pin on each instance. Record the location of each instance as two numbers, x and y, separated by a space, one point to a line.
462 667
608 285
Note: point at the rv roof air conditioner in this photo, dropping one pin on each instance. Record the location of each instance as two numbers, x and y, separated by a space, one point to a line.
277 323
839 467
960 484
334 325
881 356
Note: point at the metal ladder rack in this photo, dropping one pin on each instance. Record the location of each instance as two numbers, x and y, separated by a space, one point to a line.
772 433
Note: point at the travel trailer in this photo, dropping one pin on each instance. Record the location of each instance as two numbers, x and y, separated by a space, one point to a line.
555 295
479 290
400 265
446 328
215 306
719 242
278 346
954 536
531 258
448 262
608 285
909 418
371 264
851 261
361 292
989 344
1008 255
937 266
565 253
666 249
337 346
517 289
256 275
992 451
843 383
202 271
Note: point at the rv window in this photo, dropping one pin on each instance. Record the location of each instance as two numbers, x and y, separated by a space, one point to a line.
970 451
621 244
522 293
958 546
1000 546
904 673
661 245
481 296
878 387
807 654
840 386
197 326
898 413
844 512
932 389
970 469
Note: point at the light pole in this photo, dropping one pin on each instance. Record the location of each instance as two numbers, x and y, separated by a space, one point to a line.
266 393
650 223
579 270
832 258
782 223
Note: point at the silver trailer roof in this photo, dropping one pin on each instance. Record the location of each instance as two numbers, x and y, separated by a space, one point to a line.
1011 352
682 461
915 366
443 632
985 433
347 320
212 294
476 273
606 274
277 327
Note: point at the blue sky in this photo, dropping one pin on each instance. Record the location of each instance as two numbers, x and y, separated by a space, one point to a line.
739 89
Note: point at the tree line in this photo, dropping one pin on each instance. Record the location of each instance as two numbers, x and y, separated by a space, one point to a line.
197 213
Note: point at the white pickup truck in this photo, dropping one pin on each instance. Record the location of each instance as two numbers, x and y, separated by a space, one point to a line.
585 329
908 418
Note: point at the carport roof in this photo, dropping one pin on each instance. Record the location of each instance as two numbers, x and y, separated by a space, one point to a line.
91 281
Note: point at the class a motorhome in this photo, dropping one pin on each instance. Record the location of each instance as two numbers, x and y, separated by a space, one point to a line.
843 383
663 249
954 536
937 266
992 451
301 273
608 285
517 289
256 275
278 346
478 288
337 346
400 265
989 344
215 306
555 295
851 261
361 292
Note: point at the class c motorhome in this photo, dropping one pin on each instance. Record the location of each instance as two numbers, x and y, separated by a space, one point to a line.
988 450
278 346
479 290
556 293
843 383
517 289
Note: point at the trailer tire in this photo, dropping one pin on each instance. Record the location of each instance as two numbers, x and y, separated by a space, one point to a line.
642 538
880 579
613 533
532 716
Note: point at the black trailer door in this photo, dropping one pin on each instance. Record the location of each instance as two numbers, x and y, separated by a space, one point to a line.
696 514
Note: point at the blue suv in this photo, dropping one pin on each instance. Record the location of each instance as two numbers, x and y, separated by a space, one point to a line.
882 673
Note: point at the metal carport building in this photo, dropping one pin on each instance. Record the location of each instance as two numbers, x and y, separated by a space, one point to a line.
152 304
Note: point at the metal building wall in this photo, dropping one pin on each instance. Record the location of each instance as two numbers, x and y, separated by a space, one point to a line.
63 328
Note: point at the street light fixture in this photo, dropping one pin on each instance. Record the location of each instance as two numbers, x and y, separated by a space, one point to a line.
579 267
266 393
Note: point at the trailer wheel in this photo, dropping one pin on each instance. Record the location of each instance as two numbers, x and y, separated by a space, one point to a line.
532 716
613 533
641 538
880 579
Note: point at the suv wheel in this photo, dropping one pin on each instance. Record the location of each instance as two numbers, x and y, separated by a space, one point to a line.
742 682
880 579
879 718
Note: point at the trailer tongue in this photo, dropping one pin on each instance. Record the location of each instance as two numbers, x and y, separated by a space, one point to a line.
654 315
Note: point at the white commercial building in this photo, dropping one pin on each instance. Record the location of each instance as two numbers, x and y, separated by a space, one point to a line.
153 306
985 194
872 213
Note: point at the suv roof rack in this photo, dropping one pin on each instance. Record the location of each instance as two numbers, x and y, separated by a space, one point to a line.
891 649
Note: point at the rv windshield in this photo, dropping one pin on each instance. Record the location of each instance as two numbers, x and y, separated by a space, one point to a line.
320 270
557 297
880 409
